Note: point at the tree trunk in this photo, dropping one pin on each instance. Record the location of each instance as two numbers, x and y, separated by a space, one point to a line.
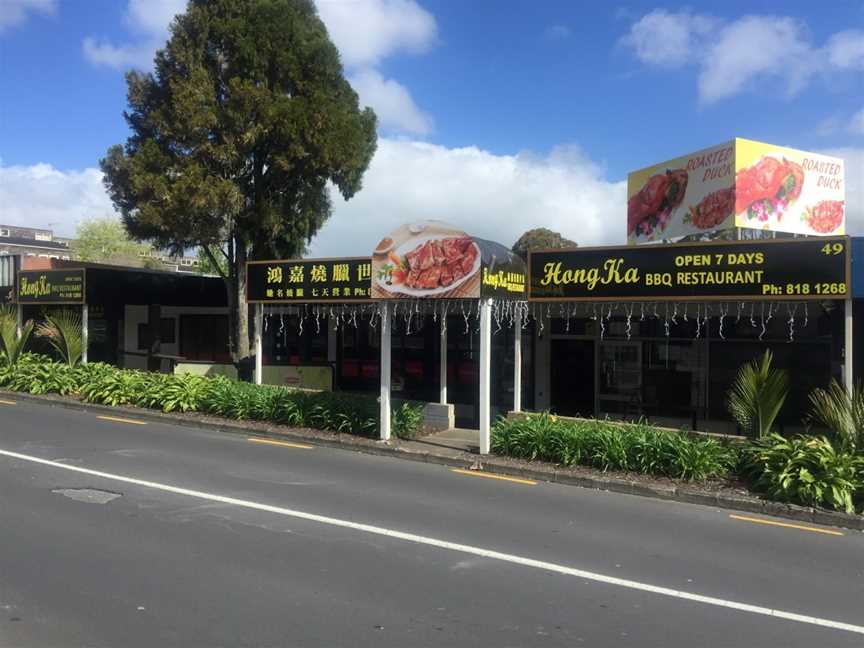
242 356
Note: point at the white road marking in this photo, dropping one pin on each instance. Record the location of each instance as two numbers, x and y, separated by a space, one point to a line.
454 546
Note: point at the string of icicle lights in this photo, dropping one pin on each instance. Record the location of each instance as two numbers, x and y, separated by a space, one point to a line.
410 315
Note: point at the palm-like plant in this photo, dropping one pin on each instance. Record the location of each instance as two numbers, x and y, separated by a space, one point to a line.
11 344
63 331
757 395
841 411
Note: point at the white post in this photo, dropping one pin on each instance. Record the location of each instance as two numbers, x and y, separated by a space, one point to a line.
19 324
848 376
385 371
517 365
442 362
85 332
259 344
485 373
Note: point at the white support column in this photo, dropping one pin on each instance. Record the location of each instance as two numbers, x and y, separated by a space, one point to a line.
259 344
385 371
848 375
485 373
442 361
517 365
19 325
85 332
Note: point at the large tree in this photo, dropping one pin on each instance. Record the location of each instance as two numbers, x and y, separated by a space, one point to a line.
105 240
236 138
540 238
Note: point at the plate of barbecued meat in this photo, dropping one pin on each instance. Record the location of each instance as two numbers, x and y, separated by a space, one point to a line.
431 265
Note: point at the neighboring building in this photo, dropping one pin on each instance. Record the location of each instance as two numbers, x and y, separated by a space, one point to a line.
33 242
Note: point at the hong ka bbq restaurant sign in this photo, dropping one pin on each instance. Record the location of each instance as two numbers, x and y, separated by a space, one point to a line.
741 183
716 271
51 286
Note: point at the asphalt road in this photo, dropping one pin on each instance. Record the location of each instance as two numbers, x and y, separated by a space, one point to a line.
214 540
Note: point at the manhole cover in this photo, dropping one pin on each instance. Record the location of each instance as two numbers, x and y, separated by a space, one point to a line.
88 495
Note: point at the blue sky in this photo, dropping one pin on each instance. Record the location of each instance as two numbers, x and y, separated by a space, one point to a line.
503 114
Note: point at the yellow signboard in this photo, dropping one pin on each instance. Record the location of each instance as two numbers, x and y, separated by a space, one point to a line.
740 183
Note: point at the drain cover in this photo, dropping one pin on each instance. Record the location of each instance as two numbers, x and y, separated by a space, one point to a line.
88 495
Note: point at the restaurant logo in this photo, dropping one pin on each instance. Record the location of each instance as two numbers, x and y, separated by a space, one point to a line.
51 286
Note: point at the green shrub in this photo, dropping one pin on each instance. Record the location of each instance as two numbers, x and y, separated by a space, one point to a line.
757 395
219 396
612 446
842 412
11 344
407 420
807 470
63 330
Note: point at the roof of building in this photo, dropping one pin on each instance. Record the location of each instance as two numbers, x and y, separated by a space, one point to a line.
32 243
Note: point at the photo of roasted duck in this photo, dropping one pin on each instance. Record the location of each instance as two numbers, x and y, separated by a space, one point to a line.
768 188
825 217
651 207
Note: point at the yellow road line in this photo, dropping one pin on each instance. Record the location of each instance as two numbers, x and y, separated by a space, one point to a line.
121 420
5 402
287 444
786 525
477 473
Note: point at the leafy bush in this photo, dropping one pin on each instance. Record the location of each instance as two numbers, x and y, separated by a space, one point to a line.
11 344
407 420
841 412
807 470
612 446
63 330
757 395
219 396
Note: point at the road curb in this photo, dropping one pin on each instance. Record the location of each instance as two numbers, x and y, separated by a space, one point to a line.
490 464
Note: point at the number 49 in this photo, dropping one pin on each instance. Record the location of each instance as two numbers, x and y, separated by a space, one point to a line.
832 248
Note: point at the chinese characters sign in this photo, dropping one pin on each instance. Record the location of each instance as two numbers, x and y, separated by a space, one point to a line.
309 280
51 286
791 269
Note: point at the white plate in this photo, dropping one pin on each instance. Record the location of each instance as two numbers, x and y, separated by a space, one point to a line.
408 246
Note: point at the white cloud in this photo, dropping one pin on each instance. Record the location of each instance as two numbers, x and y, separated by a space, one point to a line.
150 20
746 52
43 196
846 49
367 31
768 53
392 103
667 39
856 123
496 197
14 12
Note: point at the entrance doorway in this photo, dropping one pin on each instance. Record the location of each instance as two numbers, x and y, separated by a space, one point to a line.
572 377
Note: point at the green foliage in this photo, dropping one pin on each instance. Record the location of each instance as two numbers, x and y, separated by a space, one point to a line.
407 420
612 446
540 239
105 240
63 331
11 344
757 395
807 470
237 136
219 396
841 412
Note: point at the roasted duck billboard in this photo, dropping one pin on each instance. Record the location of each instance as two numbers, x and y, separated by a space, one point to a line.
431 259
740 183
